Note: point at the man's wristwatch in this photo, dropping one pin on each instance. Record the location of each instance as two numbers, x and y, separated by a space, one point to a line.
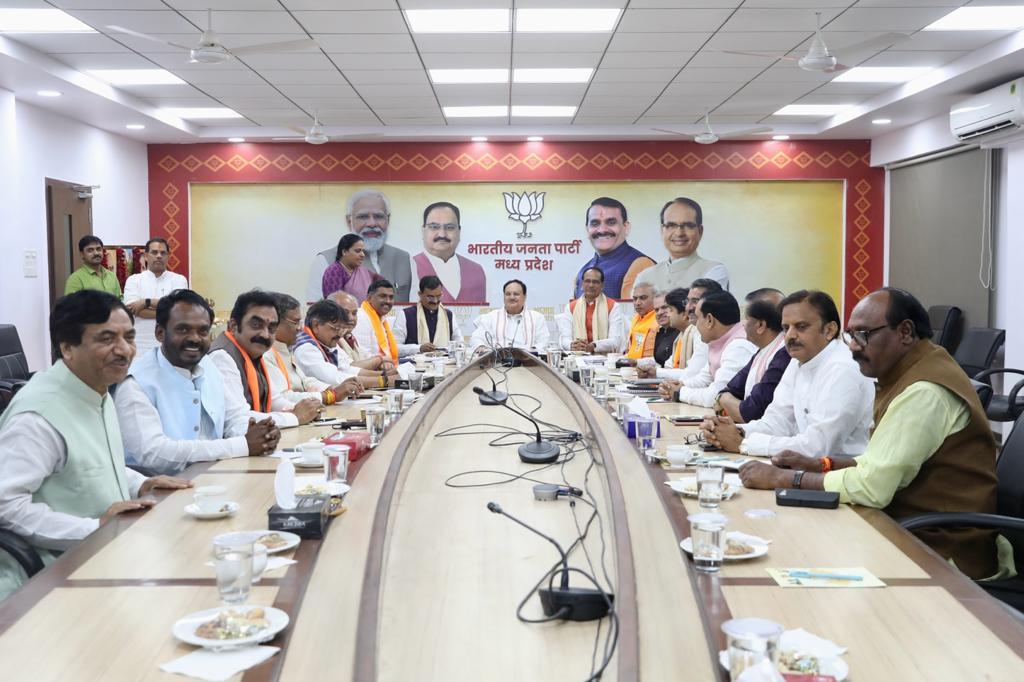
797 477
148 301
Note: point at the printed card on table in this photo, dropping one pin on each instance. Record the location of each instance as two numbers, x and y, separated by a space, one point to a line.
824 577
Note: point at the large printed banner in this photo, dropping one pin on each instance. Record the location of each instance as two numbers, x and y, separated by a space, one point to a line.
783 234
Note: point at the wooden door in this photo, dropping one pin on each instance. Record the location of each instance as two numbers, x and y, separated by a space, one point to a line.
68 219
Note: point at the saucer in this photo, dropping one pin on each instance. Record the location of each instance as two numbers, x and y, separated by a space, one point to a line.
302 464
228 509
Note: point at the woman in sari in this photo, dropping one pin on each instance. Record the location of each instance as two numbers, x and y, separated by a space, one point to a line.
347 273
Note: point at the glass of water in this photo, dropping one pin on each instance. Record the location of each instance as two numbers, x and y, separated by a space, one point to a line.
709 485
232 559
599 387
555 357
646 432
586 375
375 424
750 641
416 381
707 533
335 466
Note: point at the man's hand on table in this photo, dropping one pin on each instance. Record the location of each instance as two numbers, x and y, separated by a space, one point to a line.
668 389
262 437
790 459
163 482
722 432
306 410
649 372
763 476
125 507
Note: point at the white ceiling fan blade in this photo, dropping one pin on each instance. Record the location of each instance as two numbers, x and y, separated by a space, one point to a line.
146 36
283 46
869 47
671 132
766 55
300 131
745 132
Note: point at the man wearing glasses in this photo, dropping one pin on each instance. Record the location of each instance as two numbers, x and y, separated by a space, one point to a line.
428 325
368 215
682 227
462 280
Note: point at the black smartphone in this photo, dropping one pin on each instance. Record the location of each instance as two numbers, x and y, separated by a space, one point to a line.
819 499
708 447
350 424
686 419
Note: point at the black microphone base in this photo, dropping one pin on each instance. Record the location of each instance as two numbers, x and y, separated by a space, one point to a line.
493 398
544 452
581 603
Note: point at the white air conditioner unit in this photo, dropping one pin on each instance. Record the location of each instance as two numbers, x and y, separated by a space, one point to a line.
990 117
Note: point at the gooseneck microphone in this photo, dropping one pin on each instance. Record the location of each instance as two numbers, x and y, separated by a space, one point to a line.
493 396
567 603
539 451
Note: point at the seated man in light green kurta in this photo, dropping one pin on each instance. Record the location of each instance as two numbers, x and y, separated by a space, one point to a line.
62 470
92 274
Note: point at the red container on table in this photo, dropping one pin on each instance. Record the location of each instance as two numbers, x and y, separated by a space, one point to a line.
358 443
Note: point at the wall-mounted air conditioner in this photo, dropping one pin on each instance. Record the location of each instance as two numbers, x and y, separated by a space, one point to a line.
991 118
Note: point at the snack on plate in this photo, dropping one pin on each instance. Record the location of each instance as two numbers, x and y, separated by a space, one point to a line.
736 548
234 625
797 662
272 541
312 489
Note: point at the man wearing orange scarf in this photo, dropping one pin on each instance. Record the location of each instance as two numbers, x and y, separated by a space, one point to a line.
372 331
644 327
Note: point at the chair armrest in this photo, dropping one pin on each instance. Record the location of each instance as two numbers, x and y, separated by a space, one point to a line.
24 553
971 519
984 374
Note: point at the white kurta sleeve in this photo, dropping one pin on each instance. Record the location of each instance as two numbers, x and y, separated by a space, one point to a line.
483 335
132 289
735 357
563 321
312 363
541 333
616 332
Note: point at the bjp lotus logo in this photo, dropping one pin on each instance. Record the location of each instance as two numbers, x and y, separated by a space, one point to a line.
524 208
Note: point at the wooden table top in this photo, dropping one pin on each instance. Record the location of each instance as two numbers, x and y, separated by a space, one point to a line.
417 580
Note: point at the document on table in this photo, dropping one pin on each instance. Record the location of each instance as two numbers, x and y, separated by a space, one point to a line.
824 577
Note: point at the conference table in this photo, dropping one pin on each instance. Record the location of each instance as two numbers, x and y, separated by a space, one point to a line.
417 580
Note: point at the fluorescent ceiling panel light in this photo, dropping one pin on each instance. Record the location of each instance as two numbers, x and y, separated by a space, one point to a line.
553 111
40 21
136 76
478 138
535 138
552 75
135 126
811 109
236 139
475 112
456 76
49 93
881 74
1001 18
459 20
780 138
881 121
566 20
202 112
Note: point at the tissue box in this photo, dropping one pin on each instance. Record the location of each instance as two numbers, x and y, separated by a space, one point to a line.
358 442
308 519
629 424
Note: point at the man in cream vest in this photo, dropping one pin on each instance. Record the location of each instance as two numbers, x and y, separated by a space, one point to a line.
62 469
172 408
682 227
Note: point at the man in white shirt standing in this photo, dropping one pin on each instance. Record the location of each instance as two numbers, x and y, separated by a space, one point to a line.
143 291
718 323
822 405
172 408
511 326
593 322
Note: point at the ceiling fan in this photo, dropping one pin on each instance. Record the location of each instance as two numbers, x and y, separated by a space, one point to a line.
708 136
820 58
209 49
315 134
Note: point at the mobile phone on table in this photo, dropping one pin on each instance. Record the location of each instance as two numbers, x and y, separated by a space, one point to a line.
686 419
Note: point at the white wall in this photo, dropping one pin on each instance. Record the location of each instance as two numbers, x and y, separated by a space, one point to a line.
36 144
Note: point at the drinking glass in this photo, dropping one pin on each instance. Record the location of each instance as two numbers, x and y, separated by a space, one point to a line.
750 641
394 398
707 533
709 485
586 375
555 358
375 424
646 430
622 409
599 387
232 559
335 466
416 381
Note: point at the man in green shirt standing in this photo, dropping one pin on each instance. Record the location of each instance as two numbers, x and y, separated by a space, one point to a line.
92 274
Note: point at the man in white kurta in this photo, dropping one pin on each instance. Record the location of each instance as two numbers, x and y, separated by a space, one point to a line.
143 291
511 326
593 322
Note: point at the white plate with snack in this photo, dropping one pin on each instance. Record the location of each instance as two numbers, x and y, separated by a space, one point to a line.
226 510
277 540
687 487
230 627
794 663
738 546
315 485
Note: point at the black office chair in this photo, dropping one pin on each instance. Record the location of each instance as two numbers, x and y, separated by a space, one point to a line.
984 392
947 323
977 350
13 365
1009 519
22 552
1004 408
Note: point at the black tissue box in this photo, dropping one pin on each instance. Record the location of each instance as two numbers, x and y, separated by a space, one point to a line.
308 519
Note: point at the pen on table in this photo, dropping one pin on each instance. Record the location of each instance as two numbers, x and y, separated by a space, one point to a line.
823 576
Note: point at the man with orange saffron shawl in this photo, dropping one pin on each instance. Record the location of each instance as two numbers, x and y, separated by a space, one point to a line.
373 332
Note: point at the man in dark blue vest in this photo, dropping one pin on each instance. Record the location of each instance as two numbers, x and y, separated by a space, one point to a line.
428 325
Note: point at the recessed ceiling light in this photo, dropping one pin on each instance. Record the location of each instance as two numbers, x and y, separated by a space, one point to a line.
881 74
552 75
554 111
811 109
236 139
471 112
450 76
40 21
881 121
136 76
135 126
458 20
1002 18
202 112
535 138
780 138
478 138
48 93
566 20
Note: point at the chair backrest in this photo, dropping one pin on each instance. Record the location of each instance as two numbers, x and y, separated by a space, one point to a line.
984 392
947 323
978 349
13 364
1010 471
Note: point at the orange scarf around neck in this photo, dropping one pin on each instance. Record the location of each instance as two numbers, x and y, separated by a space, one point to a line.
382 330
250 376
284 368
641 336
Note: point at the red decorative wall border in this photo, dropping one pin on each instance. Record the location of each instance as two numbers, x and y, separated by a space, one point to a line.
173 167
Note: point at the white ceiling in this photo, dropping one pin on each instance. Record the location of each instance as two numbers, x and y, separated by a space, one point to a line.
659 67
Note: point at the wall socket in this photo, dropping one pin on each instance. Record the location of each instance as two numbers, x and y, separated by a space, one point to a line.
31 266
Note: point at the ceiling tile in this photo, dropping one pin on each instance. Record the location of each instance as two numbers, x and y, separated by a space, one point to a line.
913 58
651 75
791 90
655 20
364 44
456 60
697 89
407 90
670 4
566 60
231 90
560 42
328 101
288 60
647 91
464 42
709 59
146 21
569 93
328 4
236 76
852 88
952 40
792 20
767 41
230 22
304 77
636 60
696 74
657 42
103 4
183 101
317 90
378 60
149 47
394 76
625 119
353 21
57 43
215 5
250 103
462 95
891 18
787 72
106 60
384 102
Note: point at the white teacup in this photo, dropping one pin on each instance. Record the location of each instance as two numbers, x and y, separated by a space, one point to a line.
259 561
628 374
210 498
311 452
678 455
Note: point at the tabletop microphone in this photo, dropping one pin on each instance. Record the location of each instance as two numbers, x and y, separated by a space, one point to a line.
493 396
540 451
567 603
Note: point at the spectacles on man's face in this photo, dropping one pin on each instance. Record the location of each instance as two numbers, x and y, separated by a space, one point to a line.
333 326
672 227
294 323
437 227
365 217
860 336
